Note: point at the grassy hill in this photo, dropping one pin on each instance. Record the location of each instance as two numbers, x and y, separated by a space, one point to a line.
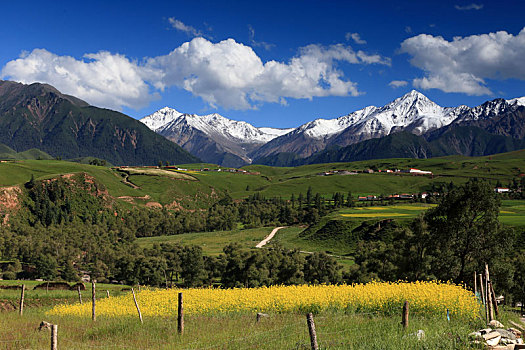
196 187
7 152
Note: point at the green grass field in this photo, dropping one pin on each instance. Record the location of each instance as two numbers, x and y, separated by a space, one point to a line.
335 330
212 243
9 298
282 182
513 213
391 211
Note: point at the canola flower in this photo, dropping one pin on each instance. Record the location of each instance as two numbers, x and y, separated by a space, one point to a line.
425 298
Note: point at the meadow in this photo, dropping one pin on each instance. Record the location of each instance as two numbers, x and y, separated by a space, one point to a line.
356 317
212 243
225 319
165 186
512 212
335 330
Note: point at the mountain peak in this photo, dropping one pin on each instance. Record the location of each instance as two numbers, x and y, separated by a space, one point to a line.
414 95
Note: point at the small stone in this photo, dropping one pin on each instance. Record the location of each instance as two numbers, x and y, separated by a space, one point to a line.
516 332
420 334
485 331
495 324
475 335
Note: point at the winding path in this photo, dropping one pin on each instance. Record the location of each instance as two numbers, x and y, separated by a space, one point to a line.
267 239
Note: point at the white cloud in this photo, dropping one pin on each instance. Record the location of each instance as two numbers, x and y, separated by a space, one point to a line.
175 23
226 73
103 79
463 64
355 37
469 7
231 74
398 83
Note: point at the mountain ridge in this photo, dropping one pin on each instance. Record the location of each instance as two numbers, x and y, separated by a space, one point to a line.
39 116
412 112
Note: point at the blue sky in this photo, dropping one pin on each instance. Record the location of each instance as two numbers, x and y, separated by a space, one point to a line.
271 63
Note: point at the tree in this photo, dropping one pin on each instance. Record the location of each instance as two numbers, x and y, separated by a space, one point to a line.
321 268
465 231
31 183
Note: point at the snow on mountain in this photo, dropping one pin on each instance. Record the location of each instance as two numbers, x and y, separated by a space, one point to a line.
412 110
168 120
160 118
518 101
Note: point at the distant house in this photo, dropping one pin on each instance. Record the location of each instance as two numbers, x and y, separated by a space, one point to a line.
362 198
369 171
502 190
417 171
424 195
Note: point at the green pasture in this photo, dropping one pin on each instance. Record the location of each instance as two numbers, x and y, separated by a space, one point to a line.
42 297
212 243
512 212
408 210
19 172
335 330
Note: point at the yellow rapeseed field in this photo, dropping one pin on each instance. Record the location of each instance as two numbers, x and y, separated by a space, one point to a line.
425 298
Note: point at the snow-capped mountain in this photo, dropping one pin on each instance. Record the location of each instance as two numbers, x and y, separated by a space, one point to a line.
237 142
413 112
215 138
168 119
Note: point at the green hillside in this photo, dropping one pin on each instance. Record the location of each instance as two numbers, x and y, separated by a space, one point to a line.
39 116
7 152
281 182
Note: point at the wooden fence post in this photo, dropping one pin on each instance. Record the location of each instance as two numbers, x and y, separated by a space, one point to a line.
483 300
311 329
137 305
93 301
79 294
180 316
404 319
22 294
107 293
489 298
494 301
54 337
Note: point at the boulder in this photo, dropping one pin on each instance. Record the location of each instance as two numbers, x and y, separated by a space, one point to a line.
506 334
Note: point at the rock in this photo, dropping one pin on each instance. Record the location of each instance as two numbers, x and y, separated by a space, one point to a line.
420 334
493 341
485 331
507 341
495 324
491 335
516 332
475 335
506 334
